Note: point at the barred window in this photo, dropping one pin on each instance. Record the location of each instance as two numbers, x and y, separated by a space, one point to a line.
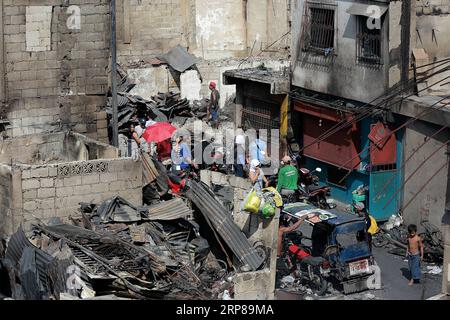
368 43
319 28
322 28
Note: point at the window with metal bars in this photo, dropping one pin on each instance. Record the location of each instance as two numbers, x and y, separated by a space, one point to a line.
319 29
368 43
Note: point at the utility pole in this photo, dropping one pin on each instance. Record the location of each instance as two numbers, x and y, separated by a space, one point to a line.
446 227
115 120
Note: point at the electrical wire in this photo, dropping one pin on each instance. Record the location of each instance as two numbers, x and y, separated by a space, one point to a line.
424 185
426 111
414 172
369 111
427 139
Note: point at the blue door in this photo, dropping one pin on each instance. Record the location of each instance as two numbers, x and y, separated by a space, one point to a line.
383 185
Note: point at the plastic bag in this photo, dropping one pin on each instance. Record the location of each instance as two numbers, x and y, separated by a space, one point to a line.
252 202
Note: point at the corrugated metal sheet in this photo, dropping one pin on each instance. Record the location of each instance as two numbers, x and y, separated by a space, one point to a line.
384 145
213 210
178 58
170 210
150 173
16 246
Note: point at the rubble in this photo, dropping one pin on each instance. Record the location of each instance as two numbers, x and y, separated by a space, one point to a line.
163 107
117 249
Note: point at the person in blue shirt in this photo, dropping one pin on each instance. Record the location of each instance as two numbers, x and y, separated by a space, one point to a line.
258 150
181 155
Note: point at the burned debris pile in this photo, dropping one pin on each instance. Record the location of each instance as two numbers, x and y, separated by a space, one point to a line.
163 107
182 246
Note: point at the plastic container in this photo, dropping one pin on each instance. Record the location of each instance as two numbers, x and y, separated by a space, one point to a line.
359 197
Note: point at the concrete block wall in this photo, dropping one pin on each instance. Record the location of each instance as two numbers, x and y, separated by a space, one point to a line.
48 84
56 190
54 147
153 27
210 29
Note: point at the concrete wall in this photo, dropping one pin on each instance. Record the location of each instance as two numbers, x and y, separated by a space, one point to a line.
210 29
51 148
340 74
430 203
5 191
146 28
433 35
51 73
433 15
259 285
56 190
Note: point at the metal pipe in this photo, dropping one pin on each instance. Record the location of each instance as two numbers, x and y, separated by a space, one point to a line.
115 118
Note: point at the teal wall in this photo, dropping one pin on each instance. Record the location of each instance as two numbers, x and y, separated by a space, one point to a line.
358 177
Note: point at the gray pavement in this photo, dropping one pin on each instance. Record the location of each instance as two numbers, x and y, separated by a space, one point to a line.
394 277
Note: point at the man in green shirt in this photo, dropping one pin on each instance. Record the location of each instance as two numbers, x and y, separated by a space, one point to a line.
287 177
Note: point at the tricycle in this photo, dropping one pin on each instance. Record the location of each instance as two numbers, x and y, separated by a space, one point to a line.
341 240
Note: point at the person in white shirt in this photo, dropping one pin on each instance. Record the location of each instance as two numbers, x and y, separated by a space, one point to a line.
149 122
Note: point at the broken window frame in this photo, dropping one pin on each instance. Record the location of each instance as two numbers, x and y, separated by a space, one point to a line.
370 41
325 31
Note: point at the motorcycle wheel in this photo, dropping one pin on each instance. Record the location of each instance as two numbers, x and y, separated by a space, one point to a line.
319 285
323 204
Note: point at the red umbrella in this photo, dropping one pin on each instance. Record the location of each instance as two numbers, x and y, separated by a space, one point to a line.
159 132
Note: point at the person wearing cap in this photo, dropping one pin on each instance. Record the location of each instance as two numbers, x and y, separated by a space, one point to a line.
257 176
140 129
213 107
371 223
287 177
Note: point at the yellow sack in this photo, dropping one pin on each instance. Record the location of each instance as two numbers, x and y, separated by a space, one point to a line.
252 203
373 226
276 196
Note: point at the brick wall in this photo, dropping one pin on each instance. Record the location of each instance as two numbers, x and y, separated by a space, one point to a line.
56 190
52 71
